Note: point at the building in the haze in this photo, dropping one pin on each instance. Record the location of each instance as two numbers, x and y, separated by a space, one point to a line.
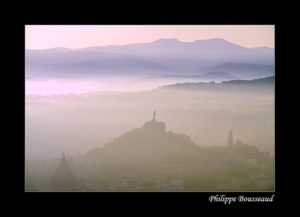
63 178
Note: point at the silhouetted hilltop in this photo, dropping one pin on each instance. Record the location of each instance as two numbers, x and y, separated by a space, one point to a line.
150 143
153 146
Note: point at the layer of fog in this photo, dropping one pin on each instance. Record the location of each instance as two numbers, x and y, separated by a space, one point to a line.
51 86
74 121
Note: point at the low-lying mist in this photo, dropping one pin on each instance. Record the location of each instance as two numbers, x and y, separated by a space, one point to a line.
74 116
57 86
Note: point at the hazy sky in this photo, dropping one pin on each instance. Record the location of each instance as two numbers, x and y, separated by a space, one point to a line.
79 36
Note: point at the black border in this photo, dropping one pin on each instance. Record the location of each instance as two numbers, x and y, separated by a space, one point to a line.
17 102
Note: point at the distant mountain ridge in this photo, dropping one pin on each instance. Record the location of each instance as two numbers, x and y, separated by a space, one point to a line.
170 45
164 57
167 45
246 70
232 84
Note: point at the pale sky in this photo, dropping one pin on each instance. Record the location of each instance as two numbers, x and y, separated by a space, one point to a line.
80 36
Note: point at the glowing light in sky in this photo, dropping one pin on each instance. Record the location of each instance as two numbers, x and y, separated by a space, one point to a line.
79 36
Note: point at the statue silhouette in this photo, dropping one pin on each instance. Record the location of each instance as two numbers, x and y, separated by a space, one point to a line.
154 125
154 116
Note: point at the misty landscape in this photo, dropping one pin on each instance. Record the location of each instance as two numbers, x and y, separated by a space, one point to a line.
164 115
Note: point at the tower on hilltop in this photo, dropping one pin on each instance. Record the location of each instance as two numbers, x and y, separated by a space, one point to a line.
154 116
230 139
154 125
